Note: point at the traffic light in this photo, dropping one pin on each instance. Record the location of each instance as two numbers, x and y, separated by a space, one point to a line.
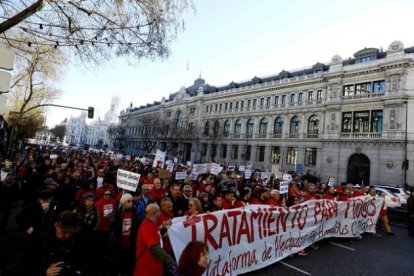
91 110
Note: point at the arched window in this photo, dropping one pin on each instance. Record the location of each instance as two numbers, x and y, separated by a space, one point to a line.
216 128
226 128
294 126
179 119
263 127
278 127
237 128
207 128
313 126
249 128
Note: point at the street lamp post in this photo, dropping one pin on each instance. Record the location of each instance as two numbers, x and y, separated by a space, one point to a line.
405 163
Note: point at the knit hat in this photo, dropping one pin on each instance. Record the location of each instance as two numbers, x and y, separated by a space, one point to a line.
124 198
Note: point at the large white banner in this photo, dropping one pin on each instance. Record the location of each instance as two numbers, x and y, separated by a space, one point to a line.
244 240
127 180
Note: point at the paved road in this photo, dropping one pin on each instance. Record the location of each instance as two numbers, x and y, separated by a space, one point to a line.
390 255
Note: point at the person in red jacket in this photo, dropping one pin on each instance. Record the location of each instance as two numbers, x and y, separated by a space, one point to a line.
260 197
330 193
164 222
150 257
106 186
157 192
362 191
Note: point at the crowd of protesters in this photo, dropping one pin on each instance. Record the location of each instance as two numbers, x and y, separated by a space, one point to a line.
75 218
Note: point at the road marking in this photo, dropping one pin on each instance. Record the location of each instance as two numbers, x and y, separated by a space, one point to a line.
295 268
399 225
343 246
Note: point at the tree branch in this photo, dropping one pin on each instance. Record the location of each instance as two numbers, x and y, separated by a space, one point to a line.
29 11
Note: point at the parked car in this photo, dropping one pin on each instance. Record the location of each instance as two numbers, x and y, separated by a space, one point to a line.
400 192
391 200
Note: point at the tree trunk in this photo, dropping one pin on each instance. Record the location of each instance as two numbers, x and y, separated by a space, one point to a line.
13 21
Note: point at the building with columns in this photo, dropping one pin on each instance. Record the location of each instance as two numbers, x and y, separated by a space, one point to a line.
347 119
78 132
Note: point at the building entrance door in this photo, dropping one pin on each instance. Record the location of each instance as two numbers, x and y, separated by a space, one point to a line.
358 169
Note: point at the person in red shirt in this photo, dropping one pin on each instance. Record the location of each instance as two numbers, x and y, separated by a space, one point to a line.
244 198
347 193
260 197
361 192
311 194
150 257
164 222
275 199
106 186
229 200
157 192
330 193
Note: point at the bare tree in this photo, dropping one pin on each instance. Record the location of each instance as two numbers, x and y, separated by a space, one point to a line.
31 88
94 29
116 134
59 131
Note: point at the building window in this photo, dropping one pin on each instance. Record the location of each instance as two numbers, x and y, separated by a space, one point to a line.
376 121
361 122
261 102
278 127
203 149
254 104
294 126
363 88
275 155
223 151
249 128
206 108
168 114
231 106
346 122
268 102
291 156
226 105
216 108
221 106
241 105
248 104
276 100
247 152
207 128
379 87
213 150
216 129
179 120
192 110
226 128
366 59
300 98
348 90
310 96
310 157
237 128
292 99
234 151
211 108
260 153
237 105
319 95
283 99
313 126
263 128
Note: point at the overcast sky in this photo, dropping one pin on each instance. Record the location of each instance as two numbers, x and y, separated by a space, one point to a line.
235 40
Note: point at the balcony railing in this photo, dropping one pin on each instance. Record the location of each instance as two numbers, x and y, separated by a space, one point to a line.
363 95
361 135
312 135
296 135
277 135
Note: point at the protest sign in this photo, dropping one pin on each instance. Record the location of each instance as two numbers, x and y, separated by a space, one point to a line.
244 240
164 173
119 156
231 168
331 181
180 175
170 167
215 169
53 156
287 177
127 180
247 174
159 159
128 157
242 168
283 187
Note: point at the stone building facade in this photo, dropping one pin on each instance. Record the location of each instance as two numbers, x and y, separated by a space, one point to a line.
347 119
